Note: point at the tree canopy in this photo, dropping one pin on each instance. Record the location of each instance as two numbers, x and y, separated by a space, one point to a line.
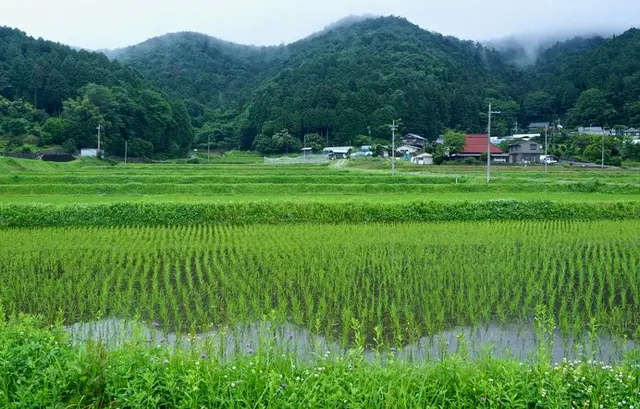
184 89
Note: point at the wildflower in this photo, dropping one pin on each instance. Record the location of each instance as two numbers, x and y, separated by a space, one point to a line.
250 351
149 340
233 384
483 399
204 355
166 362
290 335
233 368
155 324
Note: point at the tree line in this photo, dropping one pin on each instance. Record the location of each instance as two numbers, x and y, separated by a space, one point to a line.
187 89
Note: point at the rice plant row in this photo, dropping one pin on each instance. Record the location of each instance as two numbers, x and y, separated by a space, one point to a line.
400 282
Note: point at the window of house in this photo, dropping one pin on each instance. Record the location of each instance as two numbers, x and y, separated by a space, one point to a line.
534 146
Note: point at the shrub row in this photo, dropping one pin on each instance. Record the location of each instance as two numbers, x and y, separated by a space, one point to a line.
299 188
265 212
225 179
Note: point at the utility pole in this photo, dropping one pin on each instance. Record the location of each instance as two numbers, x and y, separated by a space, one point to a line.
394 128
546 154
489 143
98 128
126 151
602 147
369 129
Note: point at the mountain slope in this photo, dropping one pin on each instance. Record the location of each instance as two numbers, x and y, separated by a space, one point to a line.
368 73
611 66
80 90
196 66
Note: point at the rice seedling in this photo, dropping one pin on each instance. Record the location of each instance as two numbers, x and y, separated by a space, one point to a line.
400 282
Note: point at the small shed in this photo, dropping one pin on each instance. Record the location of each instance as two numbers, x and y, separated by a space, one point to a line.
338 152
422 159
88 153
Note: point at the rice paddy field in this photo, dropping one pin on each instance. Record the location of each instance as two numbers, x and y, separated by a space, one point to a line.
329 285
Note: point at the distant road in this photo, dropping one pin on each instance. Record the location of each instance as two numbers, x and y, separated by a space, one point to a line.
586 164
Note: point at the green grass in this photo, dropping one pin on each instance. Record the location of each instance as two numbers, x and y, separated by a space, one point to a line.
41 369
369 261
325 197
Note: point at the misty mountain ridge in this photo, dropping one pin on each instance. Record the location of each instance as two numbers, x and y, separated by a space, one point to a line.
348 79
522 49
525 49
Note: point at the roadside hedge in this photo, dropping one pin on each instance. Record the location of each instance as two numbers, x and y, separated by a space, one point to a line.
25 215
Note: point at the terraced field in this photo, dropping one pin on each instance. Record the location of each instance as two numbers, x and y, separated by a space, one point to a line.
268 267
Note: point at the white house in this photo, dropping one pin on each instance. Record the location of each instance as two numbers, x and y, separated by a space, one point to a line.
422 159
407 149
88 153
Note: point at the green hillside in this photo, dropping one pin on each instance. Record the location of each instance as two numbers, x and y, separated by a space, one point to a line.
52 94
188 89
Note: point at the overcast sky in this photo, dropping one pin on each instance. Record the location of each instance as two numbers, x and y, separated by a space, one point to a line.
98 24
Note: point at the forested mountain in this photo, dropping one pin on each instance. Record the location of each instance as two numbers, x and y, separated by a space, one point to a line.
335 85
368 73
593 80
59 96
195 66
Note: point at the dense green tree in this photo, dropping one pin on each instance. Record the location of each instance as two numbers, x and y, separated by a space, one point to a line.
632 113
314 141
453 142
592 108
84 89
538 106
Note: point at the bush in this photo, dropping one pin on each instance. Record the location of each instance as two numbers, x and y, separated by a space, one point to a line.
69 146
163 214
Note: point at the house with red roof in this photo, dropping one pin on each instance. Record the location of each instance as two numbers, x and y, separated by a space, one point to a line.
476 145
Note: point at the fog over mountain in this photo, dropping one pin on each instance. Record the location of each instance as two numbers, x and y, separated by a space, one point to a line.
119 23
525 48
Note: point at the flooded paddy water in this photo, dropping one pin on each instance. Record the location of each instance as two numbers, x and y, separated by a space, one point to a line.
519 342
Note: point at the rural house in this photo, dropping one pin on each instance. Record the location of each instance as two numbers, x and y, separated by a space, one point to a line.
632 132
414 140
422 159
338 152
539 125
524 152
476 145
407 149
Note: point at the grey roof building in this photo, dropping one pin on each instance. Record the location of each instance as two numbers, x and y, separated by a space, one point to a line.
537 125
524 152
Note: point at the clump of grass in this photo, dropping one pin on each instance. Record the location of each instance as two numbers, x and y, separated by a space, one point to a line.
40 368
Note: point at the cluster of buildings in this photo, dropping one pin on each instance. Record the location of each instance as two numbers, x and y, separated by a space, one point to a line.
523 150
